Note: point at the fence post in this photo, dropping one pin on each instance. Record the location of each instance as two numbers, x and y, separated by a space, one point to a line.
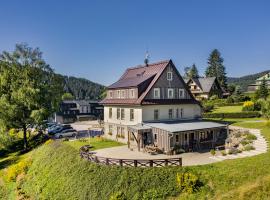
180 162
121 162
151 163
166 162
135 163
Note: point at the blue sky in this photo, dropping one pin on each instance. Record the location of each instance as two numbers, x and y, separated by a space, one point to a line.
97 40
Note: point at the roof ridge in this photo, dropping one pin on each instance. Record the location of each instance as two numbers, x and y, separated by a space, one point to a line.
150 64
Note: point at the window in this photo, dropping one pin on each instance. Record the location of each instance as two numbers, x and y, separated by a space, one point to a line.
181 112
111 94
123 94
155 137
122 113
118 131
122 132
169 76
170 113
181 93
118 93
110 113
176 138
118 113
110 129
170 93
177 113
131 114
132 93
156 93
156 115
185 136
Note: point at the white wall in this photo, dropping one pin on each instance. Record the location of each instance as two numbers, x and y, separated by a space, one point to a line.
126 121
190 111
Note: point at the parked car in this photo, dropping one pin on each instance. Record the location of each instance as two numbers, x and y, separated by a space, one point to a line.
66 133
59 129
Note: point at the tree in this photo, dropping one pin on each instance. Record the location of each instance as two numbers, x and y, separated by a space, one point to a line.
67 96
29 90
262 91
231 88
216 68
191 72
265 107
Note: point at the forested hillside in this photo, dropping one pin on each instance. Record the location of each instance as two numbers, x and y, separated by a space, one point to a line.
244 81
82 88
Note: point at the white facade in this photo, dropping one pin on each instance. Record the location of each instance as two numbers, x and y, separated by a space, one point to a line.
116 128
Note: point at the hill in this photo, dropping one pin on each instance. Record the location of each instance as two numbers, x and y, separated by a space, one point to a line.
82 88
244 81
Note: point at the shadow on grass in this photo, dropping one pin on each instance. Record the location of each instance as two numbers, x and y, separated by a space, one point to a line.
6 162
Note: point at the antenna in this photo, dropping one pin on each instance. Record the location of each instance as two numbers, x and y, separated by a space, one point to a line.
146 60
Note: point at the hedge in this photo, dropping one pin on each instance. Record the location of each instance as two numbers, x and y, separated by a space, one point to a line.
248 114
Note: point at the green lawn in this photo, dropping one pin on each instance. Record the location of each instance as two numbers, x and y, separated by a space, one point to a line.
58 172
97 143
227 109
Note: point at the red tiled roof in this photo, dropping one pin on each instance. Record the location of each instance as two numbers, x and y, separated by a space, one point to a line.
118 101
168 101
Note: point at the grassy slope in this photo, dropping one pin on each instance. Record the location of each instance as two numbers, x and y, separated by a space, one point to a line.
227 109
58 173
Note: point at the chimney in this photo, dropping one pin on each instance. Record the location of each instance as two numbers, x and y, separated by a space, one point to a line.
146 60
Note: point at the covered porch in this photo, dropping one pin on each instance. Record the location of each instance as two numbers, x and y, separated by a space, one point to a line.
195 135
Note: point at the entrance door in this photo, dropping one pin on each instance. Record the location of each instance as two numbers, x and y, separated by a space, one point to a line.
147 138
191 140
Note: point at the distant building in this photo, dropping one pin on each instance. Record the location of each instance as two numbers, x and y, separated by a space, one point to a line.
78 110
204 88
258 82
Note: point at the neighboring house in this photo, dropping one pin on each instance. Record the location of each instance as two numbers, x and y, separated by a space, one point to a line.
152 105
78 110
258 82
204 88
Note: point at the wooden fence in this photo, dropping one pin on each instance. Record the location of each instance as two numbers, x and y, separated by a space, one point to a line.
90 156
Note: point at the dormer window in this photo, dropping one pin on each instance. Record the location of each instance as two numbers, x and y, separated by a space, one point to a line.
123 94
111 94
118 94
132 93
169 76
156 93
170 93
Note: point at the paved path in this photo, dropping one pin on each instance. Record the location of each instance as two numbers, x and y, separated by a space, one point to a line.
189 159
260 147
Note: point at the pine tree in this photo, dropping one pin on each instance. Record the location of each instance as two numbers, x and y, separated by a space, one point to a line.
216 68
262 92
191 72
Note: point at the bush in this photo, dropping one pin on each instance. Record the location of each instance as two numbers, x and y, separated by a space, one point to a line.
213 152
247 114
230 99
248 106
208 107
223 153
187 182
233 151
118 196
250 136
245 142
214 97
248 148
19 168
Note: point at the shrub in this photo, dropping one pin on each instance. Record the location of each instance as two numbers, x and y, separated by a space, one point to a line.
249 147
208 107
49 141
247 114
248 106
187 182
230 99
250 136
223 153
245 142
233 151
213 152
214 97
118 196
19 168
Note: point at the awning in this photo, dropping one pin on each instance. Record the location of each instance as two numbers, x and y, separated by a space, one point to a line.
139 127
180 126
